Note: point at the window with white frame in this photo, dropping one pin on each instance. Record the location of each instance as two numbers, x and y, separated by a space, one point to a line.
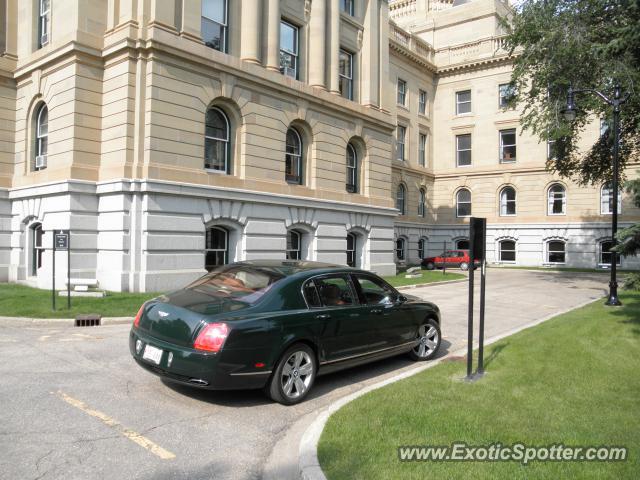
351 250
605 255
42 138
422 149
422 248
293 157
463 150
400 248
44 23
506 94
422 102
214 24
401 135
217 138
507 202
347 6
352 169
216 247
422 203
463 203
556 251
606 200
508 145
289 49
345 65
402 92
294 245
556 200
37 248
463 102
401 199
552 152
507 251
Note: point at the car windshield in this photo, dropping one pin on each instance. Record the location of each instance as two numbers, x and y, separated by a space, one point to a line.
242 283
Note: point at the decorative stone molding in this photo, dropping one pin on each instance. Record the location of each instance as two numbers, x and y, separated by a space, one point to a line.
301 216
225 209
555 234
506 234
307 10
359 221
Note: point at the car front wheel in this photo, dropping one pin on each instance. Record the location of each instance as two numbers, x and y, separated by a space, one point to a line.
294 375
428 338
430 266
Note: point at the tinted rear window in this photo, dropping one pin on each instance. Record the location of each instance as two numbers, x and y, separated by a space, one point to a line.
242 283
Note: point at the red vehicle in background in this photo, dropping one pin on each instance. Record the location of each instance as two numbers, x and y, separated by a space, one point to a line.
450 258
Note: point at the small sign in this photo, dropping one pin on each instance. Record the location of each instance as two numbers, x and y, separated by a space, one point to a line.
61 239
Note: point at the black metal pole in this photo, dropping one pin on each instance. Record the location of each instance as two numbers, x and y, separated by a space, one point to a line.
470 311
444 264
53 270
69 270
613 284
483 275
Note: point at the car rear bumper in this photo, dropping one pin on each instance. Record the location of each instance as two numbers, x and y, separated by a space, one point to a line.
194 368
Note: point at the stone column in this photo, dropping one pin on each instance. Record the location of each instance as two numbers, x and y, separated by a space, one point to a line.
317 43
371 62
250 31
273 35
334 44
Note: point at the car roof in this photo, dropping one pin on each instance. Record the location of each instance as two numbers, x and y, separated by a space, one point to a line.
293 267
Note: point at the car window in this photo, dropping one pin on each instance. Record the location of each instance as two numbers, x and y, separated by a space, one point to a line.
334 291
311 295
374 291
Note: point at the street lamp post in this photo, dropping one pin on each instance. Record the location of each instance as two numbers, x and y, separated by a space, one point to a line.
570 115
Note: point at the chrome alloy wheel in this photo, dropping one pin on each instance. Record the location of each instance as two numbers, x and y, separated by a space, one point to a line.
297 374
429 340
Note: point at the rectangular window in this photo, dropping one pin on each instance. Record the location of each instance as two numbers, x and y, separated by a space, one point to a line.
555 252
402 92
346 74
422 102
463 150
463 102
422 149
288 50
506 94
346 6
214 24
401 135
606 255
44 20
552 154
508 145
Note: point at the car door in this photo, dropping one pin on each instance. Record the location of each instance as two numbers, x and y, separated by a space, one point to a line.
347 328
392 321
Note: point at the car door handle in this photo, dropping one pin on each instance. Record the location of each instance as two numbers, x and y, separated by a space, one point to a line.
323 316
376 310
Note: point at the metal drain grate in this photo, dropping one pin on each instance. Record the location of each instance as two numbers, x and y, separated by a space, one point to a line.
90 320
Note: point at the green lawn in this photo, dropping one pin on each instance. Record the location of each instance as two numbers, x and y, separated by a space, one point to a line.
428 276
21 301
572 380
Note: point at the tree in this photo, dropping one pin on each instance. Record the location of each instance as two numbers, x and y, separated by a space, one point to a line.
588 44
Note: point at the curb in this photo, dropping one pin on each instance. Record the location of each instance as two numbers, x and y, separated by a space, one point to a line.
430 284
308 463
67 322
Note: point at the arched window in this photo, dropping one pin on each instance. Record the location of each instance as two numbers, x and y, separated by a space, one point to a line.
507 201
352 169
556 251
294 245
42 138
217 137
422 203
557 200
352 244
422 248
400 199
507 251
400 248
462 244
463 203
36 248
293 157
605 253
606 200
216 248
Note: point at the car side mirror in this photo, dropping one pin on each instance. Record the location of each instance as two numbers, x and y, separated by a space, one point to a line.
401 299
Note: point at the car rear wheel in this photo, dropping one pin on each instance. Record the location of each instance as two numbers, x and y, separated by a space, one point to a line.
429 338
464 266
294 375
430 266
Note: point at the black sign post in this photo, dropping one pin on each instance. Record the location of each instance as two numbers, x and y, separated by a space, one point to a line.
444 264
477 247
62 241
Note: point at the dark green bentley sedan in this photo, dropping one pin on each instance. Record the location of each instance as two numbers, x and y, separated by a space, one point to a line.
276 325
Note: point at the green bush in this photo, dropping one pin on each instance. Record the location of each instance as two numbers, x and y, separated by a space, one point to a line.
632 282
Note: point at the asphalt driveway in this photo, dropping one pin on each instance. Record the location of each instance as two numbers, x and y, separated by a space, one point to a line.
75 405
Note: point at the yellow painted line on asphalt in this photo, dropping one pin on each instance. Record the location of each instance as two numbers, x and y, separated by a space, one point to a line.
132 435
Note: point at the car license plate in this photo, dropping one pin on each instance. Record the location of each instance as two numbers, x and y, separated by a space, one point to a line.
152 354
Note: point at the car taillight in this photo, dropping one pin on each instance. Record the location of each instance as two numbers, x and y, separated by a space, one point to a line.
136 321
212 337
